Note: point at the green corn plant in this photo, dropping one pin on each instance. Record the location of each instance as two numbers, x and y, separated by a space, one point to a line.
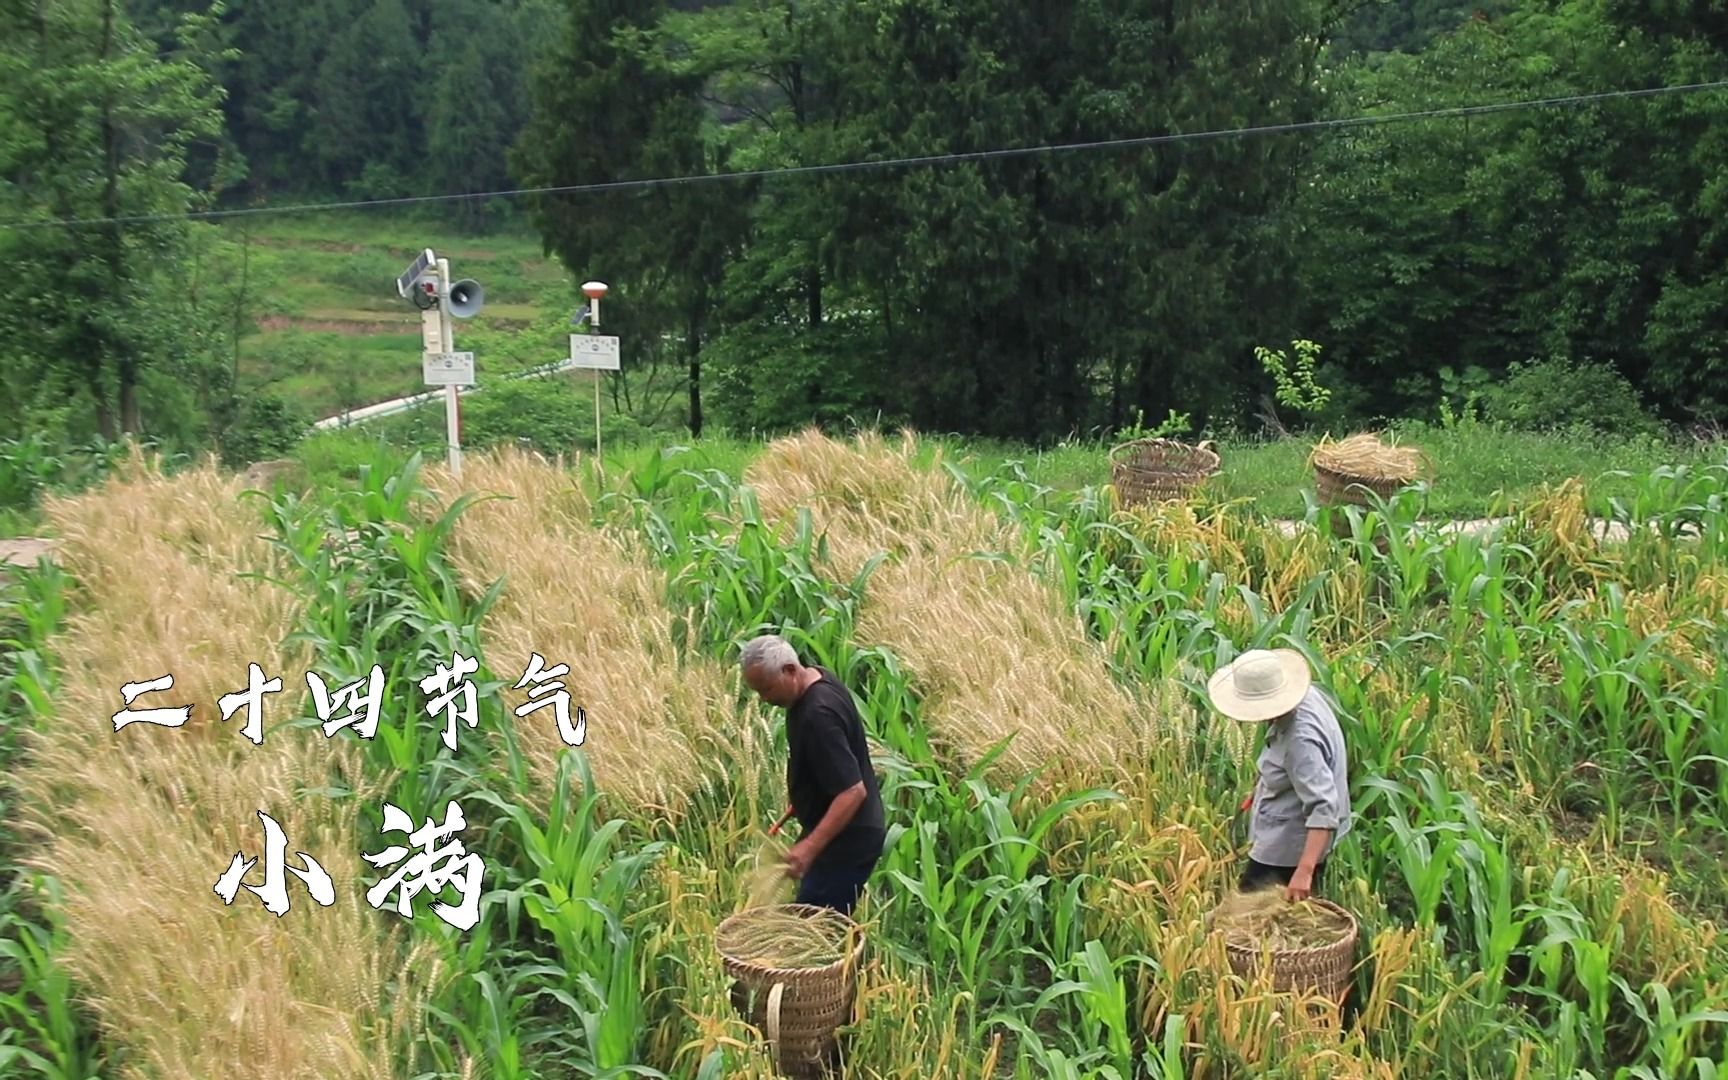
1406 556
1425 843
483 1022
1035 1059
1018 849
1103 997
1164 1061
1675 1039
1499 621
991 914
29 467
1573 964
578 879
1097 1020
1061 929
934 885
43 1025
391 601
41 1021
1499 925
1671 496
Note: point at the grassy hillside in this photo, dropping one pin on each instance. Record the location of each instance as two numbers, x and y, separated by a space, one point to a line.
332 334
1478 470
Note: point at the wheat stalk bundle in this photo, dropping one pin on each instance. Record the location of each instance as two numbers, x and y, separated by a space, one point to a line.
782 939
1264 917
1364 457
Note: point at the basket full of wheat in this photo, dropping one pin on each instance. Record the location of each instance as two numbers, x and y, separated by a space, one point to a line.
798 966
1349 470
1309 944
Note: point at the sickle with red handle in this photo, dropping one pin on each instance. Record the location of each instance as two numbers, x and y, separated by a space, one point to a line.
787 816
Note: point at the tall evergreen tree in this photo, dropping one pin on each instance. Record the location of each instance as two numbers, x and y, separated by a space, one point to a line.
100 128
603 113
1036 295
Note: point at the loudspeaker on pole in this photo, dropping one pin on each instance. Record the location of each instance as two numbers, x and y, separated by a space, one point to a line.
466 298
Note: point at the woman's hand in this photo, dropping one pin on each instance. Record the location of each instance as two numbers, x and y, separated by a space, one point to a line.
1301 884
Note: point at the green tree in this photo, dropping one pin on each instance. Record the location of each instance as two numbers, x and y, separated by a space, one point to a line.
603 113
270 106
99 127
1410 25
479 94
1019 297
1591 233
369 103
1036 295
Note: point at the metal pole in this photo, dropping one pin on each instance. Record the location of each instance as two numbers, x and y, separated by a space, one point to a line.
448 344
594 325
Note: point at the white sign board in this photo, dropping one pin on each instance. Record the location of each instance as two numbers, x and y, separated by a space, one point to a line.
448 369
594 351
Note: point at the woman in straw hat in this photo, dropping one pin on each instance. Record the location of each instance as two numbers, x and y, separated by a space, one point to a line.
1302 800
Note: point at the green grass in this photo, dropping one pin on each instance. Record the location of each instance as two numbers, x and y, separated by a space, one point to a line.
1479 470
1477 467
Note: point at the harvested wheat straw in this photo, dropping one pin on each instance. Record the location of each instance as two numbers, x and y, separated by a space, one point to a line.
766 882
1263 917
775 938
1364 456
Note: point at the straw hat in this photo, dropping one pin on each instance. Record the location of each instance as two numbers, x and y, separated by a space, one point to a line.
1260 685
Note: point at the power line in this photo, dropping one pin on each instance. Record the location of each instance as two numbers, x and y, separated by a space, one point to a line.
890 163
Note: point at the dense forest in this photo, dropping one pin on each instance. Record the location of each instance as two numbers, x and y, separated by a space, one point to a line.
1553 264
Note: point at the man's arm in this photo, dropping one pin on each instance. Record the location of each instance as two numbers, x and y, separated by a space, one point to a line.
836 771
1311 776
840 813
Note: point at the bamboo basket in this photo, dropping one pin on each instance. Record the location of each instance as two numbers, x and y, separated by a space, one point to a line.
1153 470
1346 472
798 1009
1327 970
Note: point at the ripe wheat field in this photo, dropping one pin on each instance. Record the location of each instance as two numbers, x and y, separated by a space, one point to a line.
1537 721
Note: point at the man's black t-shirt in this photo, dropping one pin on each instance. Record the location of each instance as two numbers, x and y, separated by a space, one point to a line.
826 755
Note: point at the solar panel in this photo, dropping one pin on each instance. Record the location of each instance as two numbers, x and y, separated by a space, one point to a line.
408 278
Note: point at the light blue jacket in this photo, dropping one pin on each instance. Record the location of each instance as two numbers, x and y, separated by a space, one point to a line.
1304 784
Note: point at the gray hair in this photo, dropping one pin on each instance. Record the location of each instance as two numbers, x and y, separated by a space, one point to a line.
770 651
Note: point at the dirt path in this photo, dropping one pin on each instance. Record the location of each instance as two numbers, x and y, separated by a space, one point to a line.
25 551
1607 532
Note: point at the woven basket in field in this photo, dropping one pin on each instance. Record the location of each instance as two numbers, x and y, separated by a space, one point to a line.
798 1003
1154 470
1323 969
1346 471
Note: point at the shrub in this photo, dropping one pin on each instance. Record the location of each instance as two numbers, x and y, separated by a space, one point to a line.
553 414
774 379
1560 394
266 426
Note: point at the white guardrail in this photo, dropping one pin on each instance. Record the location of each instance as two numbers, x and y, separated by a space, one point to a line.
403 404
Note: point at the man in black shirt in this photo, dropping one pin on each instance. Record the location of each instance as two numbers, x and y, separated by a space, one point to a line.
829 780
